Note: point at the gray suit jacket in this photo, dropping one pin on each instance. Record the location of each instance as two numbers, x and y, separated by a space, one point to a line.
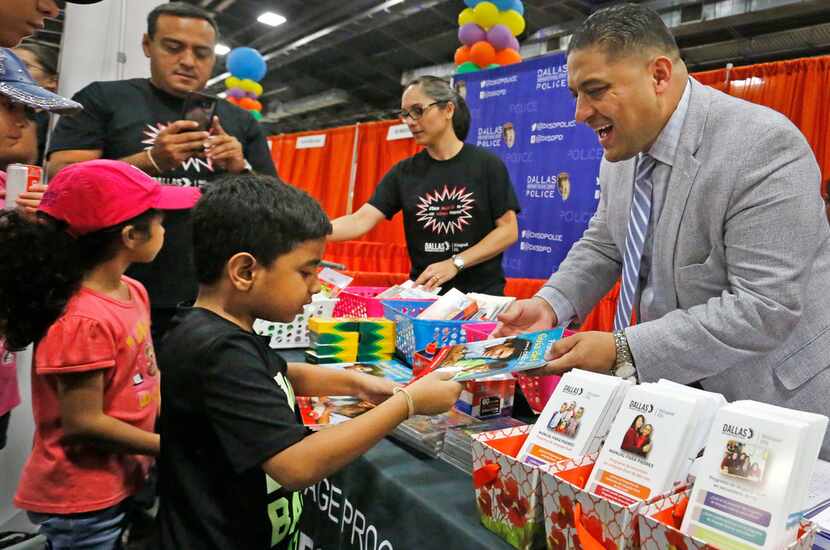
741 257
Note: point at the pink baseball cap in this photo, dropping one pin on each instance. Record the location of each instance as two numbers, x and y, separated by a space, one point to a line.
93 195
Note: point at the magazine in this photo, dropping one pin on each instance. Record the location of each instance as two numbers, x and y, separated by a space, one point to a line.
476 360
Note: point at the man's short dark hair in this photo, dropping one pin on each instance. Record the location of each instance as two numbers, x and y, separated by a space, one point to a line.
260 215
623 30
178 9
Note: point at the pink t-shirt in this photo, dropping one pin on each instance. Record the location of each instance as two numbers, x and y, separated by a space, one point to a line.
97 332
9 394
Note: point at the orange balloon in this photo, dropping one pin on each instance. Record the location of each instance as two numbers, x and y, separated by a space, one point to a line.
462 55
248 104
256 106
507 56
231 99
482 53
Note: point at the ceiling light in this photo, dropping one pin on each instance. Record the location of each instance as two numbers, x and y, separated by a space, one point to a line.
221 49
271 18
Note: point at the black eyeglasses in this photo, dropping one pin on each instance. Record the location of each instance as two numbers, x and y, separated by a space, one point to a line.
416 112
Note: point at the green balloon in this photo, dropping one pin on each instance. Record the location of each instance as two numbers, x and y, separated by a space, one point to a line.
493 66
256 114
466 67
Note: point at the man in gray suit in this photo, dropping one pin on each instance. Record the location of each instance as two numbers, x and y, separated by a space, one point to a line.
722 243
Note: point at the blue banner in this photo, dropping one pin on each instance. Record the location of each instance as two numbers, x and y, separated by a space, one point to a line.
524 113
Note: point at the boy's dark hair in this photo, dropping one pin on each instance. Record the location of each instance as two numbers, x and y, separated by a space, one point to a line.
623 30
441 90
178 9
41 267
260 215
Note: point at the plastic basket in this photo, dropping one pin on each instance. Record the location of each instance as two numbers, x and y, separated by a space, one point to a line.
359 301
295 333
480 331
415 334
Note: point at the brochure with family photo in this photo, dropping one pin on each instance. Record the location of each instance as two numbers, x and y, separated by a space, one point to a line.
576 418
649 439
755 476
476 360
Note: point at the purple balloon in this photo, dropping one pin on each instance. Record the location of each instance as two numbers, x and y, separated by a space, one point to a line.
514 43
471 33
252 95
238 93
499 36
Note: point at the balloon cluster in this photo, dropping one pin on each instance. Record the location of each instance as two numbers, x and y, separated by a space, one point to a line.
247 67
488 31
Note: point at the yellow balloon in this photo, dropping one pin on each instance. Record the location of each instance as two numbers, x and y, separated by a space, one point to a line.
257 89
247 85
466 16
513 20
487 15
232 82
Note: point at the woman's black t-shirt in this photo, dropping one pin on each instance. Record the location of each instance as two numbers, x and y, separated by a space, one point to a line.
449 206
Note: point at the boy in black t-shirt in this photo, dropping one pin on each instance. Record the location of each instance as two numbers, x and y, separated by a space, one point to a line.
235 453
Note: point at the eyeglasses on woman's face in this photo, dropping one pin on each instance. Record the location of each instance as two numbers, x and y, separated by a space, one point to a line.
416 111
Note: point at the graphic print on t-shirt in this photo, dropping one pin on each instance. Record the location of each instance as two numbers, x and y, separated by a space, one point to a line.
446 210
193 163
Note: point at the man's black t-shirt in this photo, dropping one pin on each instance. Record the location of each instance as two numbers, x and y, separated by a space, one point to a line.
124 117
228 407
449 206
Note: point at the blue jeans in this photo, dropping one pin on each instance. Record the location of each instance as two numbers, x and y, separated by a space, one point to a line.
98 530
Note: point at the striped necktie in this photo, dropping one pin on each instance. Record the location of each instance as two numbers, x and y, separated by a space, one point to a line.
638 220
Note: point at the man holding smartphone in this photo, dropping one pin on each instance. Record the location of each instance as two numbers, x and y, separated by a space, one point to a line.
142 121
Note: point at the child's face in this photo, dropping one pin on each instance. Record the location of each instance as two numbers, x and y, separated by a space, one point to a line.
147 250
282 289
499 351
13 122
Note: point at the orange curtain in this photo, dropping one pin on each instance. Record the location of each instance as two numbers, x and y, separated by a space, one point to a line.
798 89
375 156
370 256
323 172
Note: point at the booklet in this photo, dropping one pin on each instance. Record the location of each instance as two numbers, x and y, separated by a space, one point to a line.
453 305
648 440
755 476
708 405
576 418
486 358
390 369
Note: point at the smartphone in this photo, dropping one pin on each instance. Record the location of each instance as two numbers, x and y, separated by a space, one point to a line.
199 108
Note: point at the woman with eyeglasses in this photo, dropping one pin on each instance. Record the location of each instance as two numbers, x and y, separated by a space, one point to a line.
459 207
42 63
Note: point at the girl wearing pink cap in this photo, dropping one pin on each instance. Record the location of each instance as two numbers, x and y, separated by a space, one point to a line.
95 384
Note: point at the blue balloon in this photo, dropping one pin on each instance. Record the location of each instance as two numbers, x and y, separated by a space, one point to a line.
472 3
503 5
246 63
517 5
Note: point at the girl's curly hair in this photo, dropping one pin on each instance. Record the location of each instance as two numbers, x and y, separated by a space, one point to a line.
42 266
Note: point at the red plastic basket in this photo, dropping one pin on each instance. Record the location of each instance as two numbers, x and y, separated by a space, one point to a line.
359 301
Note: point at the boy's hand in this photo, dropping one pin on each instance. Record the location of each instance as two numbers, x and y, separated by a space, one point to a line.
434 393
373 388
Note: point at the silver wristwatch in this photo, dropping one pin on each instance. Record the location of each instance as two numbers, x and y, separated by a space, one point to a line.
458 262
624 363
